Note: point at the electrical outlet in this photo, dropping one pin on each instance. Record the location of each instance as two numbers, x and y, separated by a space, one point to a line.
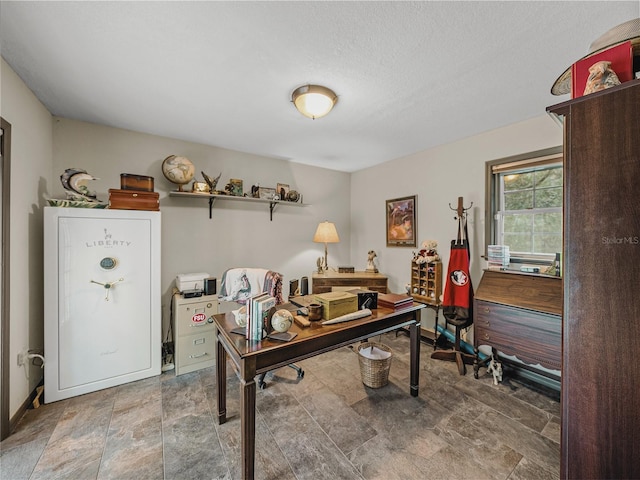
22 358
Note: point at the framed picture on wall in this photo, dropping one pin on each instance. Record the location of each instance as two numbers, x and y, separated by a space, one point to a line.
401 216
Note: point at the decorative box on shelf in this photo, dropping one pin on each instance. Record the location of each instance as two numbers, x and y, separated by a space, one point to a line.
131 181
426 282
134 200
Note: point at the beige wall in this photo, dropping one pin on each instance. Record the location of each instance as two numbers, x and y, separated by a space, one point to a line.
438 177
240 233
31 160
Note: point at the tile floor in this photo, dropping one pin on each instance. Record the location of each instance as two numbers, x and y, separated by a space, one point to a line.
326 426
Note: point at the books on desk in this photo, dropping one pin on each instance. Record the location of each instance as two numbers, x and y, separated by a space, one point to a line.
260 309
394 300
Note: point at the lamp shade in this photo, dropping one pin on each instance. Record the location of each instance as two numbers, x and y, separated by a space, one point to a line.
314 101
326 233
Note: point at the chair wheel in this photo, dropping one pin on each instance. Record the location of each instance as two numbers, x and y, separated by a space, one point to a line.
301 374
261 385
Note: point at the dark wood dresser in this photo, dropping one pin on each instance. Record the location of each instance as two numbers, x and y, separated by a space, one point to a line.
601 336
324 282
520 314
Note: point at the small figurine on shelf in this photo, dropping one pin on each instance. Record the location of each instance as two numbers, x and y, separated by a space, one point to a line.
428 253
601 77
371 266
212 182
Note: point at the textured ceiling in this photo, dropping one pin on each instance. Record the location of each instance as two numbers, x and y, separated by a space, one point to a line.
409 75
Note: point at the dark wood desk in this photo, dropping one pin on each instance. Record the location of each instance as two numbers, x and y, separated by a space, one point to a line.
253 358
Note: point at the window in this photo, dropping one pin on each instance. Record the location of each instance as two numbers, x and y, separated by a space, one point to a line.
524 205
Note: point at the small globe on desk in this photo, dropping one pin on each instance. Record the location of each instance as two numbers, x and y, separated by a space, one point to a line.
178 170
282 320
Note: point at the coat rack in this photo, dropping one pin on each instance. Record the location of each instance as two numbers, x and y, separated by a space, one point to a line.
460 210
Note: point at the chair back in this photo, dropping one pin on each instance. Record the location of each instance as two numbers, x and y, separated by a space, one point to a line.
240 284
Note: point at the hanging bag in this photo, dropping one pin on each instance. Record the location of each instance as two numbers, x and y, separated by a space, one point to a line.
457 303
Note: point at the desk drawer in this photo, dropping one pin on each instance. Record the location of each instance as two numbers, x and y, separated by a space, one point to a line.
533 337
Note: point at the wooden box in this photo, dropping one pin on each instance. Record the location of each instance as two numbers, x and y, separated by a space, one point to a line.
336 304
130 181
134 200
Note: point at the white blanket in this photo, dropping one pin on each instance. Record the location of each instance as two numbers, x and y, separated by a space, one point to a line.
240 284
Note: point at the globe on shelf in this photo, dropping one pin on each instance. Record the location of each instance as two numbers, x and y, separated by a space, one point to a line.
282 320
178 170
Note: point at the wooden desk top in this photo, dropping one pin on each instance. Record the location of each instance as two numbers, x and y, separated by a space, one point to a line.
329 334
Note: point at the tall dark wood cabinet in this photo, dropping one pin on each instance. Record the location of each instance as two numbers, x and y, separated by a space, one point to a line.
601 319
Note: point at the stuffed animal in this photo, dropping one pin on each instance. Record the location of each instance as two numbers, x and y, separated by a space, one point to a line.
495 368
428 252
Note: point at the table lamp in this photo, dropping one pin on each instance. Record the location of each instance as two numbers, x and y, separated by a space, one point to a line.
326 233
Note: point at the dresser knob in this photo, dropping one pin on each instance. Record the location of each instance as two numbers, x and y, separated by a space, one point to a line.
486 336
487 323
486 310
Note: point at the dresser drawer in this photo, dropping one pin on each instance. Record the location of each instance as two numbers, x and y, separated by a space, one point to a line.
533 337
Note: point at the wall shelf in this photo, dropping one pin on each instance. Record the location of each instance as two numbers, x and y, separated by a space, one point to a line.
213 197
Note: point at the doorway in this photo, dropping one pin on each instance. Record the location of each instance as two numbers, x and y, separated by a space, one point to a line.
5 182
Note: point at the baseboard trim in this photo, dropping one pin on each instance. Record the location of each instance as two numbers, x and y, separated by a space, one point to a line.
22 409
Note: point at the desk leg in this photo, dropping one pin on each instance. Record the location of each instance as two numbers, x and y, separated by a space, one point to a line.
414 341
221 382
248 418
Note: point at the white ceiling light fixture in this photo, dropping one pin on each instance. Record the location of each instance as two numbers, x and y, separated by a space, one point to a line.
314 101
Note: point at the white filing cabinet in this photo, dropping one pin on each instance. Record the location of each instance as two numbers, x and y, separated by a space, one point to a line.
194 339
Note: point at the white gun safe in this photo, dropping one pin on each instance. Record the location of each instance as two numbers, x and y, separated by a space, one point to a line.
102 304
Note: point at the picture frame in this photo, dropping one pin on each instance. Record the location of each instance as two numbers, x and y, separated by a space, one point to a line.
266 193
402 227
282 190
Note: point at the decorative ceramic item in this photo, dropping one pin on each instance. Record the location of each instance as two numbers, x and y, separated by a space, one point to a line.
371 266
200 187
178 170
55 202
282 320
293 196
601 76
241 316
74 181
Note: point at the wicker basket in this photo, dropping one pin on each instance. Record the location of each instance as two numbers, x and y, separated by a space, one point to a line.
374 372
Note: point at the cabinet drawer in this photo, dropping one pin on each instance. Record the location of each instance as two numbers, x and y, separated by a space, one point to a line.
533 337
195 317
196 350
